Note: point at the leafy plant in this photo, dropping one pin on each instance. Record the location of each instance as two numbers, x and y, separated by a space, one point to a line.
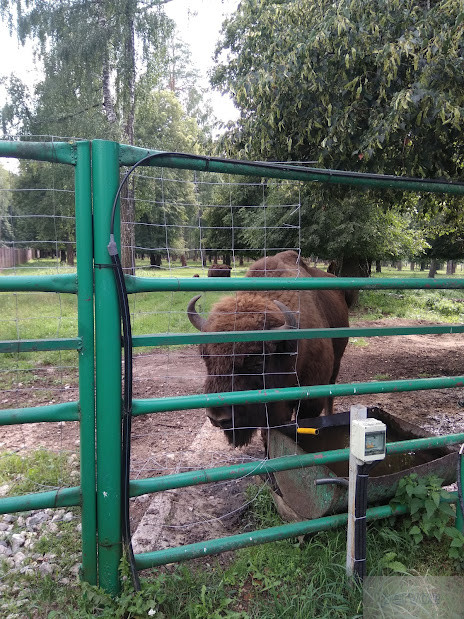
429 514
391 562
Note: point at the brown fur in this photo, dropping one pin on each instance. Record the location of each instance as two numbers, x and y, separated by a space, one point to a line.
219 270
265 365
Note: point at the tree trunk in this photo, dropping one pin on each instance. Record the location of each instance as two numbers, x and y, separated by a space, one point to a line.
241 261
183 261
433 268
155 260
378 266
128 192
353 267
399 265
412 266
108 102
70 255
451 267
127 227
422 266
62 255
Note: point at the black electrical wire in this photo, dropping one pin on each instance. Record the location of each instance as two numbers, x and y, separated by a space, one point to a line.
127 391
360 522
458 479
127 413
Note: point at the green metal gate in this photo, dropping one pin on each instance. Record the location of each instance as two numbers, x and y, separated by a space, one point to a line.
100 494
77 156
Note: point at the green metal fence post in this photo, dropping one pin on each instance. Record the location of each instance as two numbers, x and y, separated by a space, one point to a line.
105 170
84 250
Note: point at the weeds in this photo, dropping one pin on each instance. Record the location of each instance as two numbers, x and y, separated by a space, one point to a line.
430 517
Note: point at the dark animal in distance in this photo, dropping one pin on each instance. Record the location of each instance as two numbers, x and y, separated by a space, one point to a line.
219 270
242 366
332 268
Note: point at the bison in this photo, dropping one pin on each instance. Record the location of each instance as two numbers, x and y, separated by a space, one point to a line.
242 366
219 270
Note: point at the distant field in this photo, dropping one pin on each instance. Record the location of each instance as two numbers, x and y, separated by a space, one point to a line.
46 315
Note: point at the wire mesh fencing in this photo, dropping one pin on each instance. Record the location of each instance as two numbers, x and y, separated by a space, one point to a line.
193 224
37 239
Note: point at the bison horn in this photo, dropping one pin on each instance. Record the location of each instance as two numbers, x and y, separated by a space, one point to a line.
290 319
197 321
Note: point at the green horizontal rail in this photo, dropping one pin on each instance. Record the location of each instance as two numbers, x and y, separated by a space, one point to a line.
39 283
65 411
218 284
55 152
158 405
244 540
273 534
129 155
64 497
284 463
74 343
168 339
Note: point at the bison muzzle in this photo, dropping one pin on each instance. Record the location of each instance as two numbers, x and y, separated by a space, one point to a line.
242 366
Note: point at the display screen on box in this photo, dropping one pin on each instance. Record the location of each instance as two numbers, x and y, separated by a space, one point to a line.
375 443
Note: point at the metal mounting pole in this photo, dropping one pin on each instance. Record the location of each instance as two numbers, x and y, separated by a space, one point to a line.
105 168
358 411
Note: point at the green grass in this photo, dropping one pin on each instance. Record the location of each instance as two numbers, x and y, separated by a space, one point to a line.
49 315
432 305
38 470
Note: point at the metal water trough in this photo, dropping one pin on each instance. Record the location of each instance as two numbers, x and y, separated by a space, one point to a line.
298 497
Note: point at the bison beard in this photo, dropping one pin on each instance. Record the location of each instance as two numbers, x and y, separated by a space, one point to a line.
243 366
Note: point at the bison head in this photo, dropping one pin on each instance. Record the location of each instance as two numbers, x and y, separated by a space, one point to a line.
242 366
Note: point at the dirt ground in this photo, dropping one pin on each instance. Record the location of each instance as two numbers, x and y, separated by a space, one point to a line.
174 442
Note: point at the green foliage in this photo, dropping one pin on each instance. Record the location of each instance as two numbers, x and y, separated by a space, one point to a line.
429 516
111 71
361 85
43 206
6 229
362 82
85 46
437 305
390 562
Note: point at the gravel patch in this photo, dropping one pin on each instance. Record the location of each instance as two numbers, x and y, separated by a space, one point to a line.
19 535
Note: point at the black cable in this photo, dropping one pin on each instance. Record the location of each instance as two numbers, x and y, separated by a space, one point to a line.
458 480
360 508
127 412
127 398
